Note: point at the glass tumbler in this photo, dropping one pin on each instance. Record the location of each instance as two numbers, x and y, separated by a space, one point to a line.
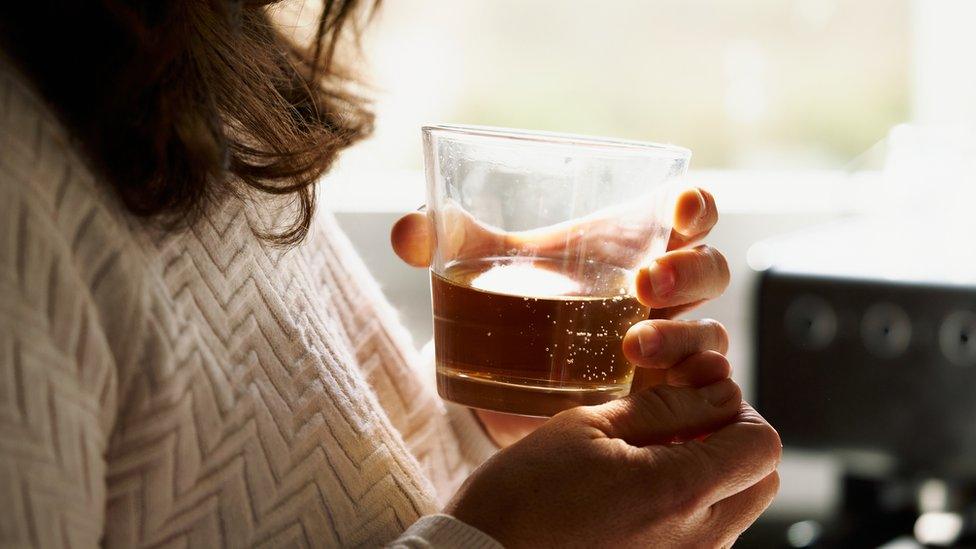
538 239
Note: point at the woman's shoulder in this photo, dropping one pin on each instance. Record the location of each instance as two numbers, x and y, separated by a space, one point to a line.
43 174
66 239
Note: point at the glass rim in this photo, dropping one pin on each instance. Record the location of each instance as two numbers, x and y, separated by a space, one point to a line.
587 141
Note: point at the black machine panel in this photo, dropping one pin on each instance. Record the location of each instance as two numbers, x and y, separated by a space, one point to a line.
886 367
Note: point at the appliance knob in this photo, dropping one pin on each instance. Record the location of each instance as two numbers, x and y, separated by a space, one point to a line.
886 330
957 338
810 322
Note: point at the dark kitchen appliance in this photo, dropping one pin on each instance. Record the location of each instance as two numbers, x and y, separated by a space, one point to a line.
869 354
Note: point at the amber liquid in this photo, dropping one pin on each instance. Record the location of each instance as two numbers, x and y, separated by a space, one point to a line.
532 336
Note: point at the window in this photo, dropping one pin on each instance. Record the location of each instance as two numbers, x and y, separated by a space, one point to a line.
757 84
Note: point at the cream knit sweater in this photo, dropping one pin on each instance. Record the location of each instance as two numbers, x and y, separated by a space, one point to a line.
201 388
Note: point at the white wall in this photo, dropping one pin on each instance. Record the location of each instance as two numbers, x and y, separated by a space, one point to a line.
944 74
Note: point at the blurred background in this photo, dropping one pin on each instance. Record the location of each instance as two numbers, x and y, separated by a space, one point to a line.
824 128
755 83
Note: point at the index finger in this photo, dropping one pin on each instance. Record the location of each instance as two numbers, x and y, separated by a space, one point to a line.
726 462
412 239
695 214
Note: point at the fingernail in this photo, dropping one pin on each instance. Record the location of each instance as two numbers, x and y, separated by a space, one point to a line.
719 393
649 339
662 279
702 206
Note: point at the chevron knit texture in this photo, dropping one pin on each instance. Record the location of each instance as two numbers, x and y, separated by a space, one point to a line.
198 388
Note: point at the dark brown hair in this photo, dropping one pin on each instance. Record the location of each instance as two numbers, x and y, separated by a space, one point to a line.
177 102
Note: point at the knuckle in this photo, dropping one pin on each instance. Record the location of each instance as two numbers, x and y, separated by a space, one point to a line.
705 251
701 260
706 267
673 482
686 493
772 488
737 393
671 332
589 417
662 401
722 267
717 332
710 367
662 327
580 415
715 259
769 443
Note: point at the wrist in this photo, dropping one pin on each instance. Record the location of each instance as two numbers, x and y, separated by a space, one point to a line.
483 516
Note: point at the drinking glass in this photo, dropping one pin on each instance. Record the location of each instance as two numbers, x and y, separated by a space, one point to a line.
538 239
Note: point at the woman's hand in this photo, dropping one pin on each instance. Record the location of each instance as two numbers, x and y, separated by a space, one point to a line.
677 353
632 472
679 280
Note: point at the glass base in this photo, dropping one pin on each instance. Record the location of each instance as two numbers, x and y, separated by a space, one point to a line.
519 398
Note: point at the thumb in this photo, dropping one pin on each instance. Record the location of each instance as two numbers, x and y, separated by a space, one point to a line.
412 238
734 457
666 414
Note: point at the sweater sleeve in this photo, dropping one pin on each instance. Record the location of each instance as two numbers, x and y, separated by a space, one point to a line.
443 532
445 438
57 384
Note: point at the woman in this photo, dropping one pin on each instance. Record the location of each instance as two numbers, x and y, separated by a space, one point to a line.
192 356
